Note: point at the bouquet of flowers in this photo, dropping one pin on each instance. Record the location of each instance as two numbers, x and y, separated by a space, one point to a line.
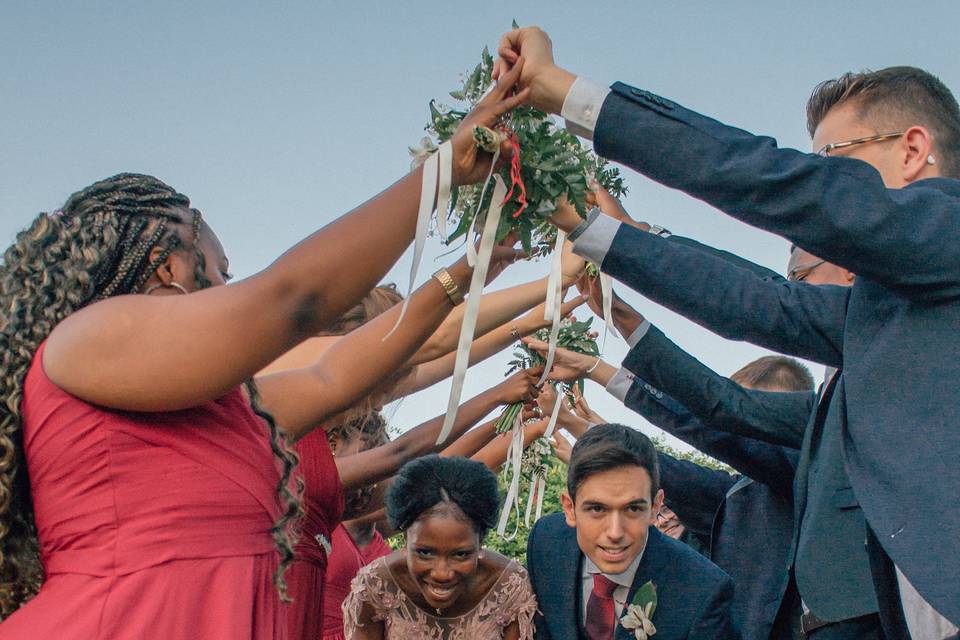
548 163
574 336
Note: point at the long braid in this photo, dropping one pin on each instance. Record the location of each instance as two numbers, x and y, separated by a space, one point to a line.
285 530
97 246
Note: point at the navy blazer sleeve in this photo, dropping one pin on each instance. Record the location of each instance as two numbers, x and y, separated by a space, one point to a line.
694 492
836 208
763 272
767 463
735 302
778 418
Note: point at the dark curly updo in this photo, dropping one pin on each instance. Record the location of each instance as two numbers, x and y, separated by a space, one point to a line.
427 482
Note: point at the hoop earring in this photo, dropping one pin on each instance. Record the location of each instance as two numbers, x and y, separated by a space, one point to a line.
173 285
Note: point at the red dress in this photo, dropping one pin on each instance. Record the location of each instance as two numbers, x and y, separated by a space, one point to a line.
377 548
323 502
345 562
151 525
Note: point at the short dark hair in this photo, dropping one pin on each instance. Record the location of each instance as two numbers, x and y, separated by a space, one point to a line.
422 484
775 373
896 97
610 446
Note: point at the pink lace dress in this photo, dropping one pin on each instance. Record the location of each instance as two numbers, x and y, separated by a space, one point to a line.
509 599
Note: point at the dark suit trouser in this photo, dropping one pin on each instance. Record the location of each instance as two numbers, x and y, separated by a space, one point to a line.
862 628
888 593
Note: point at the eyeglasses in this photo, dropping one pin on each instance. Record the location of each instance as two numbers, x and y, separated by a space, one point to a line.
802 272
850 143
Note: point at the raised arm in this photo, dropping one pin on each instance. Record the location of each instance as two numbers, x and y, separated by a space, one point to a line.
498 308
383 461
836 208
733 301
770 464
764 461
168 352
776 417
494 454
355 365
694 492
487 345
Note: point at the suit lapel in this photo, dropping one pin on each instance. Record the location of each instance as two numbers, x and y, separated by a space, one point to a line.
651 566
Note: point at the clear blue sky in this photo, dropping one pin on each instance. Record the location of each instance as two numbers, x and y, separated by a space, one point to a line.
277 117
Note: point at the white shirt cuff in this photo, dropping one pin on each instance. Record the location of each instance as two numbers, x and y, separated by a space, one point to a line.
638 334
620 384
594 241
581 107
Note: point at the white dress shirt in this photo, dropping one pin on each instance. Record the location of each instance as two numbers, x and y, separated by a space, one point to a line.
625 580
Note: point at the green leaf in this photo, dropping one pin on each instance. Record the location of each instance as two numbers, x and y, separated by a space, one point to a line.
645 595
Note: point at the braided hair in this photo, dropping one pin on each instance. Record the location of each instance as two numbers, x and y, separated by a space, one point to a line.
97 246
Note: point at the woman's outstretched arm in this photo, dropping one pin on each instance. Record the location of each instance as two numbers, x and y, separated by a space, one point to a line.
382 462
161 353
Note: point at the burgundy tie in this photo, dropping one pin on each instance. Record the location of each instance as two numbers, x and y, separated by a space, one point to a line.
601 617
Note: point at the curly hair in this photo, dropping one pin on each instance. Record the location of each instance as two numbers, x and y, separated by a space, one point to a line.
97 246
429 481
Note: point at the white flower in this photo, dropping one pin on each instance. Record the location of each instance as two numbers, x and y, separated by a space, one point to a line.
637 619
422 152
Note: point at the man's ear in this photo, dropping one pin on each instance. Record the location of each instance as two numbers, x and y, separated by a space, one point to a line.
918 146
567 503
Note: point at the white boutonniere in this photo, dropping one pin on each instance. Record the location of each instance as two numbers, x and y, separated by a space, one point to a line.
637 615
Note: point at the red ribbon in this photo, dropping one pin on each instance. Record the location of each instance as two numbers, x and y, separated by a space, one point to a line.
516 179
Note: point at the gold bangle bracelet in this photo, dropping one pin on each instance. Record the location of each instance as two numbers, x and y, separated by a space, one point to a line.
449 286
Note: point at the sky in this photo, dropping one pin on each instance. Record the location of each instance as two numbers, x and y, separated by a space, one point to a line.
275 118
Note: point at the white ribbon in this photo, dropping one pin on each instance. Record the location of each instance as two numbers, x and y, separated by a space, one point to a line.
471 232
538 484
445 158
552 312
606 291
487 240
513 464
427 187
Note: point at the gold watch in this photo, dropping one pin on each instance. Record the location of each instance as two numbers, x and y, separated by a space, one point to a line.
449 286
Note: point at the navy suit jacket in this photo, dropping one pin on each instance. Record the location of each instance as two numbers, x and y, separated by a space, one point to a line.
893 333
693 595
748 518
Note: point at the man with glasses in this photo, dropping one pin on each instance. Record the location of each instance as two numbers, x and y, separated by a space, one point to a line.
884 205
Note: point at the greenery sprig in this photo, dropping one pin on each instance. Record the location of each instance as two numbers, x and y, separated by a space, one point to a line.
553 164
574 336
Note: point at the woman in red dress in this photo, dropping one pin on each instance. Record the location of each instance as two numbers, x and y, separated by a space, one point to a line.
139 479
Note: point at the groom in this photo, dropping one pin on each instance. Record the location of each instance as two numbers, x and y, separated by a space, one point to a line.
587 563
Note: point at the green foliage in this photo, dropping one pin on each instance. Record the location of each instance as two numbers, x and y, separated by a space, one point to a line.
553 163
573 336
517 547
